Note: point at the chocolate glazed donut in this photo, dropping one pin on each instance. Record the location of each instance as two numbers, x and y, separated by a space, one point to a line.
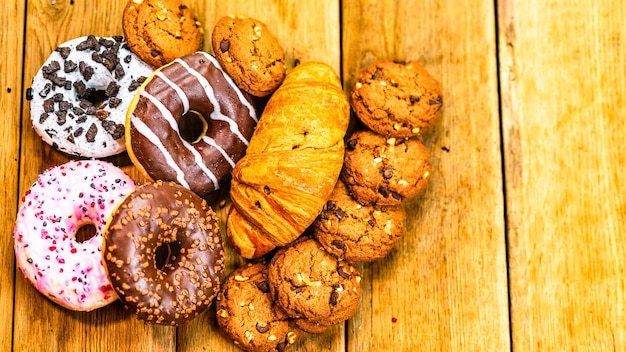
163 253
191 89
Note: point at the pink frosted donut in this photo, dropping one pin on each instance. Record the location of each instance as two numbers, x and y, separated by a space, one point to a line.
64 199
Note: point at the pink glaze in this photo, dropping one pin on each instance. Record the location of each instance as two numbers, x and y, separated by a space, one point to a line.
64 199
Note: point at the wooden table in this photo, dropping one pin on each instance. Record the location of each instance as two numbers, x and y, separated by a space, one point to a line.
518 242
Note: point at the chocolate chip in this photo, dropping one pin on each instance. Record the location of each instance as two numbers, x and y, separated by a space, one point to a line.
266 190
43 117
155 53
29 94
44 92
69 66
127 59
78 132
296 289
63 51
224 45
114 129
342 272
112 89
280 347
114 102
54 66
371 222
80 88
330 205
400 62
414 99
61 117
263 286
377 74
387 172
384 192
437 101
351 144
262 328
48 105
338 244
91 133
396 196
339 214
182 7
334 297
65 106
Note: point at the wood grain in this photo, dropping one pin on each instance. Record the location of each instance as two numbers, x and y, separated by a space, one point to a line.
49 24
444 287
11 28
563 78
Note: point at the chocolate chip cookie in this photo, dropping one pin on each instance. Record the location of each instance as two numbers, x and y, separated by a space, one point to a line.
385 171
356 232
247 314
397 99
312 285
159 31
249 53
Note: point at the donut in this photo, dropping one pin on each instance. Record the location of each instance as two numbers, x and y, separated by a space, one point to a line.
163 253
190 91
81 93
64 199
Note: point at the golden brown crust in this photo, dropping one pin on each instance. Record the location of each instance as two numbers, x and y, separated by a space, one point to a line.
159 31
293 160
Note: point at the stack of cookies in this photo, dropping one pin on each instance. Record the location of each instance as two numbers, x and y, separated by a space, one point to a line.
385 164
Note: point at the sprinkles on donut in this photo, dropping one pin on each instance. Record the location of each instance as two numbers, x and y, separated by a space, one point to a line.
163 253
64 199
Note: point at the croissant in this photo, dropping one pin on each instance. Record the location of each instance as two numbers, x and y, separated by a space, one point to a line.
292 162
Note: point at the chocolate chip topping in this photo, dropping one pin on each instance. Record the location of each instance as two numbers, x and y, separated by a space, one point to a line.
384 192
387 172
342 272
351 144
224 45
334 297
262 327
263 286
338 244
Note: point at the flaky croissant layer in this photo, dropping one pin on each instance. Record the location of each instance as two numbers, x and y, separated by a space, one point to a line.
292 163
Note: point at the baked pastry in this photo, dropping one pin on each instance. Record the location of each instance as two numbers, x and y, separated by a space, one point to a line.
314 286
292 162
250 53
248 315
356 232
81 94
385 171
397 98
159 31
164 142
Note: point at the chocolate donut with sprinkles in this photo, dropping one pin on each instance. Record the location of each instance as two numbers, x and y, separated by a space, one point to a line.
80 95
64 199
163 253
189 123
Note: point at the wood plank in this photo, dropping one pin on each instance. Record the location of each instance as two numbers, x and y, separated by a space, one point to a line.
444 287
50 23
563 79
308 31
11 62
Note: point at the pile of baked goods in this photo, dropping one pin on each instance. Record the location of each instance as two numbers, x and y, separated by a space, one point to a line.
308 202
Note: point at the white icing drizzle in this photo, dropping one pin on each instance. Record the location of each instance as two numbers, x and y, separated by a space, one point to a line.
179 91
210 141
230 81
154 139
216 114
173 125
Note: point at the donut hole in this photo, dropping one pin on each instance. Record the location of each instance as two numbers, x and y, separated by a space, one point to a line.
85 233
165 255
192 126
95 97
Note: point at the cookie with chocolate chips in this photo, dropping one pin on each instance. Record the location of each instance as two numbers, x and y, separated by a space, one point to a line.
356 232
247 314
396 98
159 31
313 286
385 171
249 53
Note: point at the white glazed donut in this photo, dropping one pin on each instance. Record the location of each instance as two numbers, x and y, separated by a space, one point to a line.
64 199
80 95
